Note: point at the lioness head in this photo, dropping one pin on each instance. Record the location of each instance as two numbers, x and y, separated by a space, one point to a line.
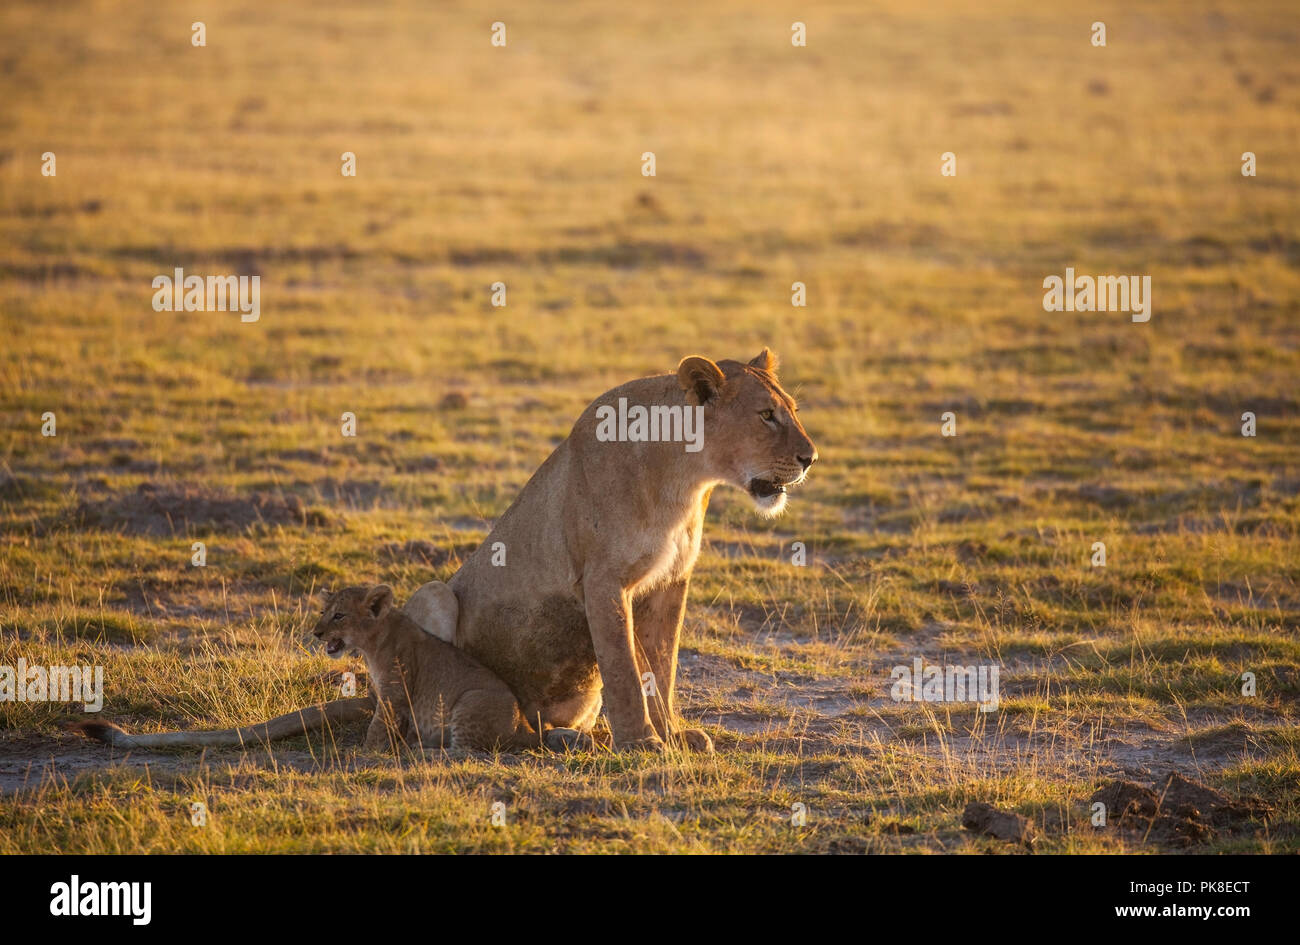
352 617
751 428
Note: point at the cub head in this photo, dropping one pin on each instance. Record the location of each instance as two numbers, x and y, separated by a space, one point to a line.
752 432
352 618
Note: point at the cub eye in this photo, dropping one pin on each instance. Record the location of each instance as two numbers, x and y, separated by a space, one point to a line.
338 617
768 415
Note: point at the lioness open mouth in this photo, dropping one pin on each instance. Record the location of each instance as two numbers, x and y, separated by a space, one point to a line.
765 488
334 647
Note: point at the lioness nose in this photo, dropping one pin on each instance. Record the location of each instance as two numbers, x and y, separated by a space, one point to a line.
808 460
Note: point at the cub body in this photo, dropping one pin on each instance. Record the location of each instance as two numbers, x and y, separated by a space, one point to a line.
430 694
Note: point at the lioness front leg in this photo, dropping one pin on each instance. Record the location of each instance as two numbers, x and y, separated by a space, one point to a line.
657 619
609 616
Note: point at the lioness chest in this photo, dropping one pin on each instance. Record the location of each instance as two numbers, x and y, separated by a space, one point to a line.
663 559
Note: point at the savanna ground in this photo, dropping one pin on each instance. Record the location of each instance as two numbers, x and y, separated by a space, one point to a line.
775 164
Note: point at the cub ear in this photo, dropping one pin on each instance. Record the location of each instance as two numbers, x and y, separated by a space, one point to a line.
766 361
701 377
378 600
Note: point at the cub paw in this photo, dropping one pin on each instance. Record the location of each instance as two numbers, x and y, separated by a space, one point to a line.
694 739
568 739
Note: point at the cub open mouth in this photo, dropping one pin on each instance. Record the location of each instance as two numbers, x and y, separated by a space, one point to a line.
765 488
334 647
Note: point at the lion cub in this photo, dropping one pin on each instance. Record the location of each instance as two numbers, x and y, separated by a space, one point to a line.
429 693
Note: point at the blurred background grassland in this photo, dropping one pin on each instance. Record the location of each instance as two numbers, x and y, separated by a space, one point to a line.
775 164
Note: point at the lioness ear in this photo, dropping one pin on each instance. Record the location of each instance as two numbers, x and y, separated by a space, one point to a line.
378 599
766 361
701 377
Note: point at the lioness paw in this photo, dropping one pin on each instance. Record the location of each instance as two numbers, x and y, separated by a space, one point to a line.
651 743
694 739
569 739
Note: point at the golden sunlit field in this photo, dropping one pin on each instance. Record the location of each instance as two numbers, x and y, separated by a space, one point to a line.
775 164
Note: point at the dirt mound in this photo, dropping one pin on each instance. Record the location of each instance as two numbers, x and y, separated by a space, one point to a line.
1176 810
1004 825
155 509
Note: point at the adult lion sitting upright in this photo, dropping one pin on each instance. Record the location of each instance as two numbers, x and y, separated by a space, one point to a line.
599 547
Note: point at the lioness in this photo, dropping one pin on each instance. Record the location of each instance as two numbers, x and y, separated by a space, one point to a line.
430 694
600 544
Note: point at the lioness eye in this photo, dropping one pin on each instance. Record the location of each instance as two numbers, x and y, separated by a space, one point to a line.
769 415
338 616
